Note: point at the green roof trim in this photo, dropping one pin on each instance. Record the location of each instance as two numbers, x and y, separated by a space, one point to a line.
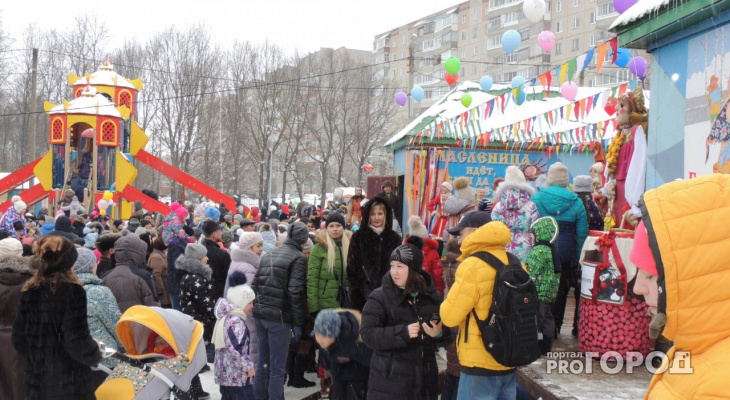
672 18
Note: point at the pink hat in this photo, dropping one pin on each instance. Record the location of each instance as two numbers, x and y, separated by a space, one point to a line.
641 254
181 212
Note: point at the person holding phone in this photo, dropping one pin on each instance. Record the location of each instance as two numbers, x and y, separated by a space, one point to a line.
400 322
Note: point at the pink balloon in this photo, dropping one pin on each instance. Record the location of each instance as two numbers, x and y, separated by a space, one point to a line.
638 66
401 98
622 5
546 40
569 90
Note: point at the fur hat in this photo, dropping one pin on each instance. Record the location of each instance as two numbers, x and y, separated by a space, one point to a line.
335 217
410 253
249 239
106 241
416 227
386 184
239 293
327 324
558 175
448 186
86 262
212 213
57 252
11 247
462 189
227 236
18 204
582 184
130 249
514 175
195 251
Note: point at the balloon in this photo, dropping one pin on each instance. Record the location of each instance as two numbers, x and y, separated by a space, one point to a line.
466 99
610 110
108 195
569 90
417 93
546 40
511 41
401 98
534 10
452 65
517 81
102 204
622 60
622 5
102 211
486 83
450 79
521 97
113 187
638 66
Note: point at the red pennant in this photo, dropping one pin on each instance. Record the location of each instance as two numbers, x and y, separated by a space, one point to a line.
576 109
548 78
614 47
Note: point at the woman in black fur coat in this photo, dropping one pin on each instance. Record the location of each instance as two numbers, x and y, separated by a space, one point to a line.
368 258
51 329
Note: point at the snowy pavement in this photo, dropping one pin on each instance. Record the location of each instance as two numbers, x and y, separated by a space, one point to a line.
290 393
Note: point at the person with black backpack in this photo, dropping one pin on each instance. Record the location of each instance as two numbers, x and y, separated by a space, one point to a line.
494 303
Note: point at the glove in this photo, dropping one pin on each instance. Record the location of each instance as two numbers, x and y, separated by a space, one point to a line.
105 350
296 332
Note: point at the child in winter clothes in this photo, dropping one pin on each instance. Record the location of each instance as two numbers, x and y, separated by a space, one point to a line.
234 368
541 266
431 257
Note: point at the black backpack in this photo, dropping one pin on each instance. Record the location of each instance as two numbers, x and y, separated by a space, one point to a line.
511 331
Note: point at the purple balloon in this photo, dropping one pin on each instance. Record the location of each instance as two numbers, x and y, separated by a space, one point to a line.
638 66
401 98
622 5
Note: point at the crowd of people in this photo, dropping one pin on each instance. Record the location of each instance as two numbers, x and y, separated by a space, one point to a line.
337 291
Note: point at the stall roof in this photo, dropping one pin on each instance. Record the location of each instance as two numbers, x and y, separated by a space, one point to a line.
537 103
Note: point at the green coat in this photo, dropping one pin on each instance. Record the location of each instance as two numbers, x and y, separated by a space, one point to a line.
322 285
540 261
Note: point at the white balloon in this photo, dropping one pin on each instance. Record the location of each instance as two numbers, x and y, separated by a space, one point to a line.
534 10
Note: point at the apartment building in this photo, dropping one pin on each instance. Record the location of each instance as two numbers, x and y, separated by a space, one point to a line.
472 31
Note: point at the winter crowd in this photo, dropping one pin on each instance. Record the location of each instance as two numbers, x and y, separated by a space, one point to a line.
339 291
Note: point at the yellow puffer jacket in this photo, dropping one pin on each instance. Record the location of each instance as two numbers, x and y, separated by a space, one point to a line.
472 289
690 221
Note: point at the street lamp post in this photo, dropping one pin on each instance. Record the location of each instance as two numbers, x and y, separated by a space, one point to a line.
271 158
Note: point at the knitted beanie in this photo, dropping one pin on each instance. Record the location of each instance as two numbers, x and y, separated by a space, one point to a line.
335 217
249 239
86 261
239 293
181 212
514 175
416 227
212 213
410 253
195 251
18 204
11 247
307 246
583 184
558 175
448 186
327 324
462 190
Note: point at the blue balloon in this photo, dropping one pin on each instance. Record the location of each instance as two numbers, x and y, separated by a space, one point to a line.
623 58
511 41
486 83
517 81
417 93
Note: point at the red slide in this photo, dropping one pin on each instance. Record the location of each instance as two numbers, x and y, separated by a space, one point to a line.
132 194
18 177
184 179
30 196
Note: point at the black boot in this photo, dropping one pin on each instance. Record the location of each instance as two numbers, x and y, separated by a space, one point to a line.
300 366
290 368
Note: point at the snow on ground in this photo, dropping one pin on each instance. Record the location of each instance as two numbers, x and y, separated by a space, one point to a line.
290 393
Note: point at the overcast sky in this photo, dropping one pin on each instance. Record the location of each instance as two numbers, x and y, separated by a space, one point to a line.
306 25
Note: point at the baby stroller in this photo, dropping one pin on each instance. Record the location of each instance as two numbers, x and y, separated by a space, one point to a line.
164 352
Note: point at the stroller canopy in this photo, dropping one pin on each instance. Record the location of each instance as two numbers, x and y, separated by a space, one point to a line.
180 330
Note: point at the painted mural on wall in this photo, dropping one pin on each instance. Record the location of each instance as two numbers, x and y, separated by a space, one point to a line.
707 129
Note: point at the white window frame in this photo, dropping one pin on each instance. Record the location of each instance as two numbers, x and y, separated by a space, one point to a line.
576 3
605 10
475 51
463 35
559 27
560 6
512 18
575 44
463 18
558 49
592 40
593 17
475 32
576 22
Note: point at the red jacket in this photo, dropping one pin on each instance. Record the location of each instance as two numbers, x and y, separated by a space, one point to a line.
432 263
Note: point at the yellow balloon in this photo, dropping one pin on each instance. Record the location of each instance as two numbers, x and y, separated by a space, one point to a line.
102 212
108 195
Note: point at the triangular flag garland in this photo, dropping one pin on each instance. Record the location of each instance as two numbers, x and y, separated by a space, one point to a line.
533 133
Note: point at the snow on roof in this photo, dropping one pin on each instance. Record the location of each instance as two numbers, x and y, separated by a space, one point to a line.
96 105
449 106
638 10
105 76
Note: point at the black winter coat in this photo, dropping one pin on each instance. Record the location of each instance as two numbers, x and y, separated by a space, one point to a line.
196 293
368 258
402 368
348 345
219 261
51 331
280 285
175 250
